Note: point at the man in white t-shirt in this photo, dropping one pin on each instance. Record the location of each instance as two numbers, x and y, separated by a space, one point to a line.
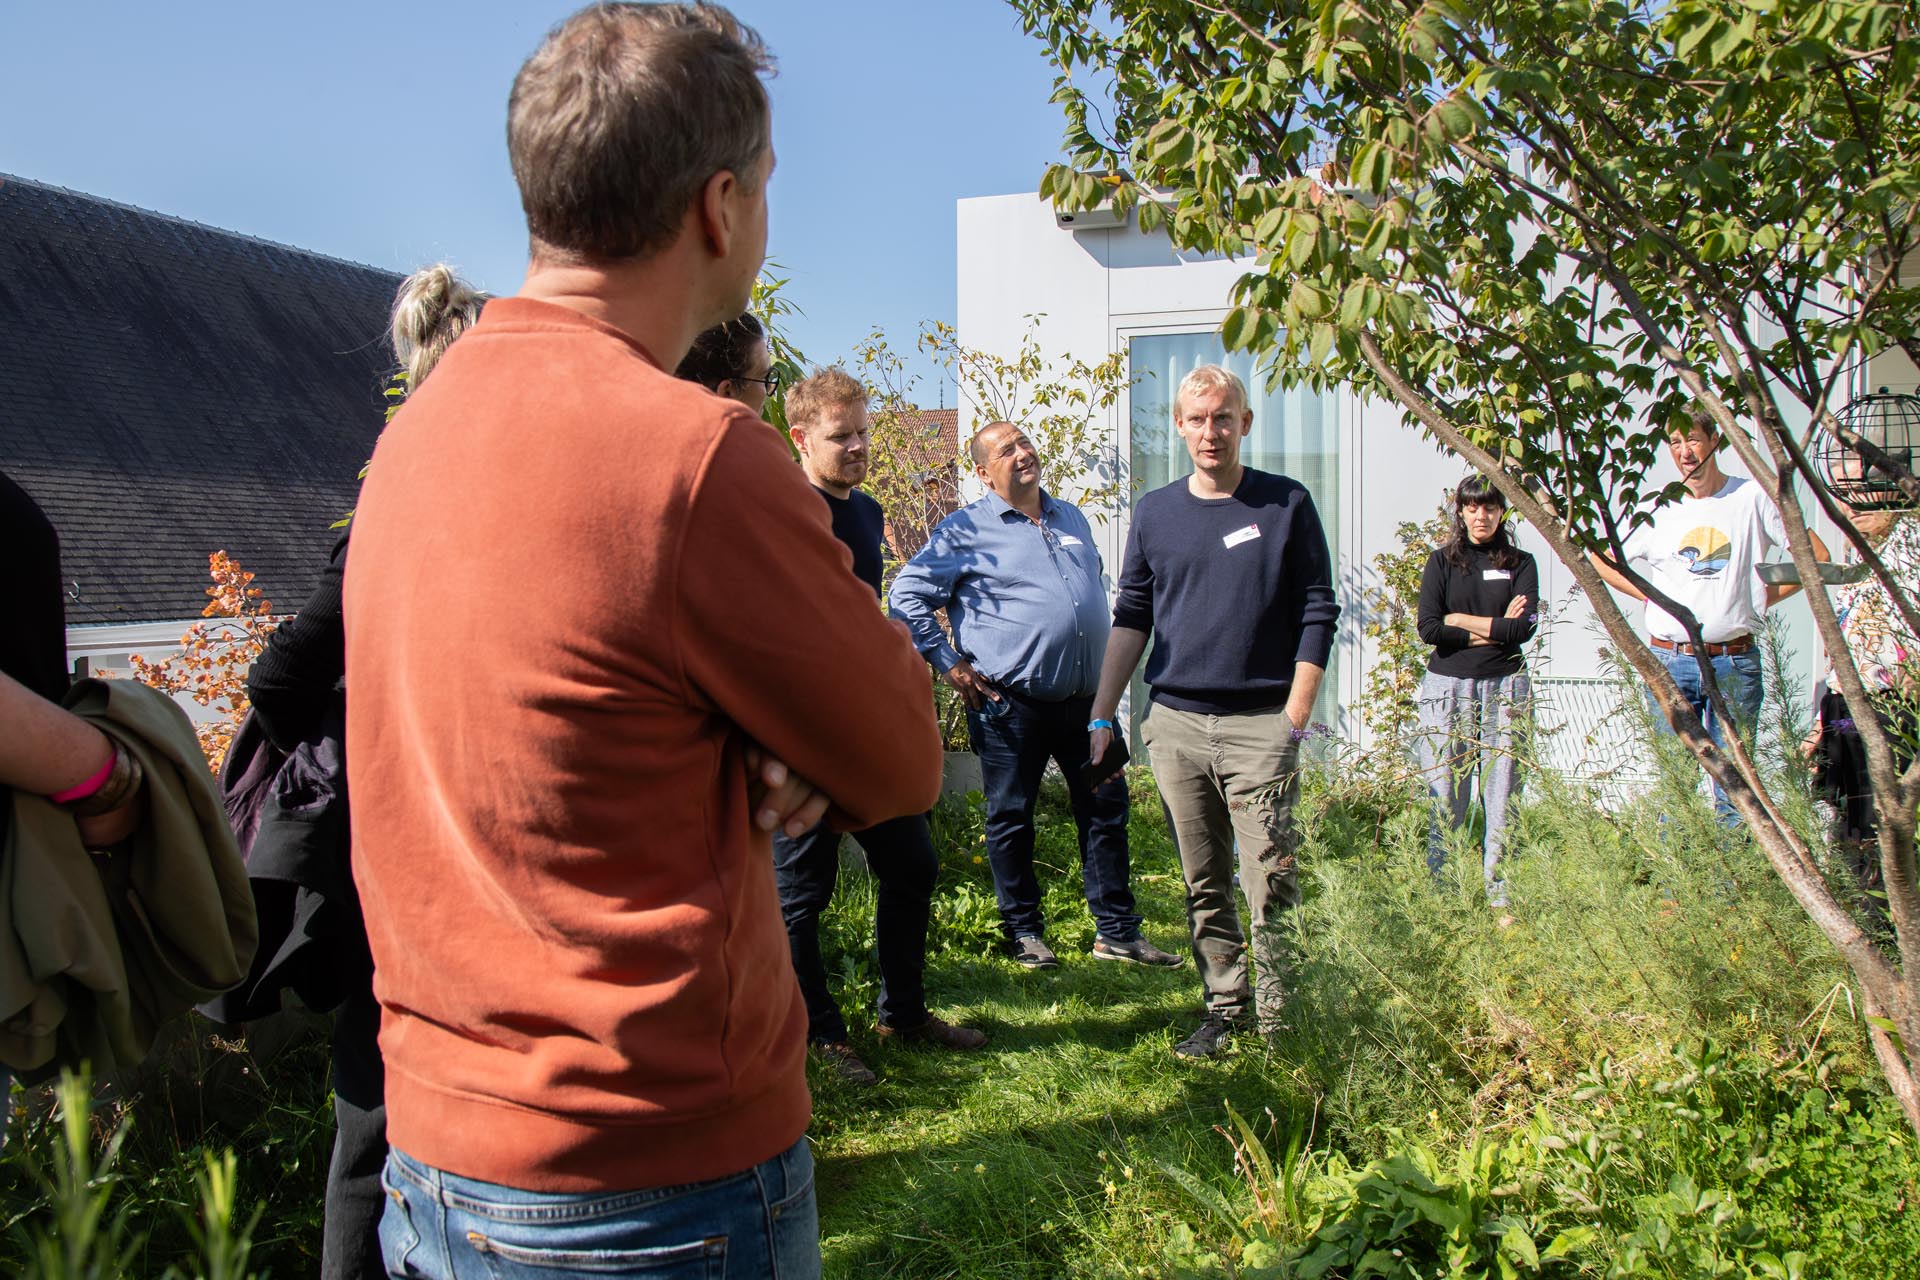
1701 551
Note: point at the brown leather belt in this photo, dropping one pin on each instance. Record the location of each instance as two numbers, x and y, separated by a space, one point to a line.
1739 644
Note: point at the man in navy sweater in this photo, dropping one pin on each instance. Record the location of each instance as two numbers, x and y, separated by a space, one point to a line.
1228 569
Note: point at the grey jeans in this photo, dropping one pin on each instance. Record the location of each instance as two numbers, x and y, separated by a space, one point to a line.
1224 780
1466 722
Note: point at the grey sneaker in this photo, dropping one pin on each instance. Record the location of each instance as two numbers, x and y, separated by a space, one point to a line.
846 1064
1209 1039
1030 952
1136 951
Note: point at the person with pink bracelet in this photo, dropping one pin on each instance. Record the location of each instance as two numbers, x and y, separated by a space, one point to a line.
45 748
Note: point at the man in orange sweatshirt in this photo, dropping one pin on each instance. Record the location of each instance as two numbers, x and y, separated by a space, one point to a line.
601 641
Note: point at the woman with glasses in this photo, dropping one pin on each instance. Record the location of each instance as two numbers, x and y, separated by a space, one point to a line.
733 360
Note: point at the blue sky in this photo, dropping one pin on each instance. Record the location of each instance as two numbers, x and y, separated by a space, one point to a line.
374 131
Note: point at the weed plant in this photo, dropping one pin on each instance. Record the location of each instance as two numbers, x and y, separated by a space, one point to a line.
208 1161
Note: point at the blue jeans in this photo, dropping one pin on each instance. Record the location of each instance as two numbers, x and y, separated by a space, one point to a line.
761 1222
1014 749
900 856
1469 723
1738 676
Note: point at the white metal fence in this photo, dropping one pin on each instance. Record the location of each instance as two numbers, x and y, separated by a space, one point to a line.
1592 730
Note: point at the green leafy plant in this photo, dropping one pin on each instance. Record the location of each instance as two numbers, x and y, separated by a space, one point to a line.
775 310
1390 699
1681 1176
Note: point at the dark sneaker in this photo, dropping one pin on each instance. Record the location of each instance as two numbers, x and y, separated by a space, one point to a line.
937 1032
846 1064
1138 951
1209 1040
1032 953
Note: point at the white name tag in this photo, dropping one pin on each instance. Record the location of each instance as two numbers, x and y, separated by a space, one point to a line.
1068 540
1497 575
1239 536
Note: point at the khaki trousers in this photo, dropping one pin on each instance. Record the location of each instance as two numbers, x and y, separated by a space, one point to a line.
1227 780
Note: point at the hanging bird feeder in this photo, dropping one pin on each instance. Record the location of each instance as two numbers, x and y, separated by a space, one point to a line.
1891 423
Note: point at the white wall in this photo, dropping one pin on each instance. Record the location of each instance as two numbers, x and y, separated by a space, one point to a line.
107 647
1098 288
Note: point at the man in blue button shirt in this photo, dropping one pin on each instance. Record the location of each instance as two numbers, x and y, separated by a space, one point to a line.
1019 577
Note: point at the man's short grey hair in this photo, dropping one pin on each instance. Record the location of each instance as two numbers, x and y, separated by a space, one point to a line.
622 115
1210 377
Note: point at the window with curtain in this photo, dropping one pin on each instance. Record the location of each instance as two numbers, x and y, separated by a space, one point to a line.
1294 433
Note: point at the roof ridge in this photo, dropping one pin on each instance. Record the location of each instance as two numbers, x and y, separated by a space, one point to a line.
6 178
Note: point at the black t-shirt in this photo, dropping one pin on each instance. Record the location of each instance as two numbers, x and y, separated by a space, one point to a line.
33 637
1481 590
859 522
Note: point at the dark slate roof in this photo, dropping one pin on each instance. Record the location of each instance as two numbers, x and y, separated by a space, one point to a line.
168 390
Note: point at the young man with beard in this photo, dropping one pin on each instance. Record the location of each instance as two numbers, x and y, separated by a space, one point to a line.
827 421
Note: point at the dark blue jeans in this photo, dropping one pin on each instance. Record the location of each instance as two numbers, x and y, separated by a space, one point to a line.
1738 676
1014 749
900 855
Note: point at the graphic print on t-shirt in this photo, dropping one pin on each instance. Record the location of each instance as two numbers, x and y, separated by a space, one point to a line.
1706 550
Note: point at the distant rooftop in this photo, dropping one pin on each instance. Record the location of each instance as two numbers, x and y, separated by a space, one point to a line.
169 389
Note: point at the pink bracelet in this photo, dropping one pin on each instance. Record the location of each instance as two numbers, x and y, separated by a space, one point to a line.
91 785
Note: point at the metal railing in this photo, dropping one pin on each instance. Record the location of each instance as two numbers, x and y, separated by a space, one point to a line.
1591 729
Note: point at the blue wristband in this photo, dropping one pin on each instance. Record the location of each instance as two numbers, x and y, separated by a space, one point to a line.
1100 724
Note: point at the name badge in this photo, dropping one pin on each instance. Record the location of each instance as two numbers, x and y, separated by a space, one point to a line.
1068 540
1496 575
1239 536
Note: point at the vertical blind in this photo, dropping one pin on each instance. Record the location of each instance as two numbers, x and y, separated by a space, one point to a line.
1294 433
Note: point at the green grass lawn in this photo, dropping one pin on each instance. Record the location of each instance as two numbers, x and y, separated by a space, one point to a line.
1039 1155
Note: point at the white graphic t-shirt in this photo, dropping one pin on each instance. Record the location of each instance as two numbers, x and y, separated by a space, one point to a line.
1702 552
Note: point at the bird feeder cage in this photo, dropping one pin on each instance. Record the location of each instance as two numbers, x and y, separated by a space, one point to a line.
1889 422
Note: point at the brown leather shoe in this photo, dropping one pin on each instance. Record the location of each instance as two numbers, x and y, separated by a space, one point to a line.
937 1032
846 1064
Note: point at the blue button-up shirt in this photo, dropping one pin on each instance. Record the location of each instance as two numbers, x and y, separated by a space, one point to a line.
1025 600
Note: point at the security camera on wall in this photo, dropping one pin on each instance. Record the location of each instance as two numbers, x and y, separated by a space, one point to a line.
1102 217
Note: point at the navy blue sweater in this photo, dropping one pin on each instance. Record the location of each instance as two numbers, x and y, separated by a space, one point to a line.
1234 591
859 522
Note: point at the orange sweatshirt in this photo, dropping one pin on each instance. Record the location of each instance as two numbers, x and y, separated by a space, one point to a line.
577 590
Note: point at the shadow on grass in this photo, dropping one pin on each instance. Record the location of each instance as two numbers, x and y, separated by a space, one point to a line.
1079 1194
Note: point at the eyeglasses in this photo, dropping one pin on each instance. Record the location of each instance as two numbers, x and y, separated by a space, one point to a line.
771 382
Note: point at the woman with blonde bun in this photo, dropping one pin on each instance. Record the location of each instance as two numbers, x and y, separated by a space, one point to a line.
295 688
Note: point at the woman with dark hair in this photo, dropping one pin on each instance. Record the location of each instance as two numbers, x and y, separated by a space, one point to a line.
732 360
1478 604
295 687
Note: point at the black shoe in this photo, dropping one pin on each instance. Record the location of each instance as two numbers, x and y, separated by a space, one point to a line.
1209 1040
1030 952
1137 951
